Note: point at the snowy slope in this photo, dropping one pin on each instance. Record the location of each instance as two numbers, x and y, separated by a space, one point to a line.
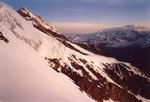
28 59
25 75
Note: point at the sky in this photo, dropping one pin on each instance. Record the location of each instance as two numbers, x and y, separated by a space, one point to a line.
84 16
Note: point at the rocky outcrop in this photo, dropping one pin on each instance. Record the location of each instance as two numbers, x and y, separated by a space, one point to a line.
127 79
136 55
99 89
2 37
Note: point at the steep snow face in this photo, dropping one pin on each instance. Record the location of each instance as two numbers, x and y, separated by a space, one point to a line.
26 77
25 31
26 51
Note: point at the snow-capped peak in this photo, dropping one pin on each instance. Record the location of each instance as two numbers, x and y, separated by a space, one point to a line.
40 23
34 50
136 27
37 19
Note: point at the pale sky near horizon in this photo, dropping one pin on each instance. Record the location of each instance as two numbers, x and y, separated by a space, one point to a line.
83 16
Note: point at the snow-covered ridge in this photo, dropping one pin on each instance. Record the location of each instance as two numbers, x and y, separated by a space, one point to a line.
26 51
36 19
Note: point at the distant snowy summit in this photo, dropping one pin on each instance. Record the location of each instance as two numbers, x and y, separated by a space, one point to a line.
128 35
38 64
129 43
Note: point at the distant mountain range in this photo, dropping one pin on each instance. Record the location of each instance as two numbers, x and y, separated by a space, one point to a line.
115 37
39 64
129 43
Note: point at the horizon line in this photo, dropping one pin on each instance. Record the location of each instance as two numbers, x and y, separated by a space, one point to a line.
90 27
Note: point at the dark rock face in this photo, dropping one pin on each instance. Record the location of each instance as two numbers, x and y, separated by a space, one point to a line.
128 79
2 37
137 56
100 89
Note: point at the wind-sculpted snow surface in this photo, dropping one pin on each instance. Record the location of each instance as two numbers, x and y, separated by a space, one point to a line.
36 66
